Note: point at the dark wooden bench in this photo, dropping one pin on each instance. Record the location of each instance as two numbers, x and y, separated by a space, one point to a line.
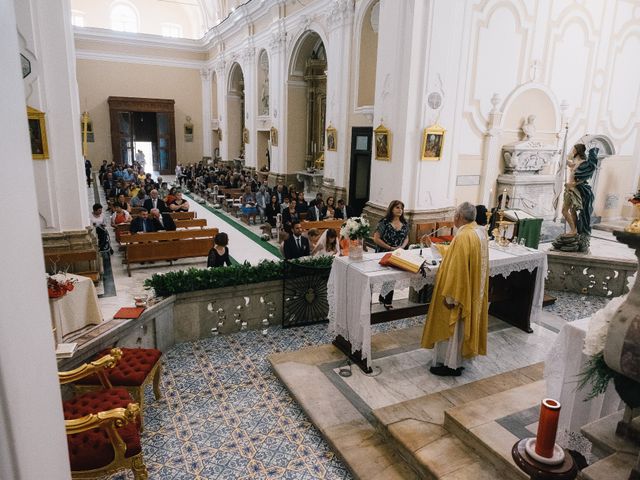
190 223
80 262
169 246
183 215
323 225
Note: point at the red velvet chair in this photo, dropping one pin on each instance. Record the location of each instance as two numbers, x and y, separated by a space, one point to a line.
134 371
102 426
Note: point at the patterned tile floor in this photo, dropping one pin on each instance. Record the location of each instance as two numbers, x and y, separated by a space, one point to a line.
224 414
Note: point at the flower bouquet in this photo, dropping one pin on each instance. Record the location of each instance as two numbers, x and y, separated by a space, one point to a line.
59 285
356 229
597 374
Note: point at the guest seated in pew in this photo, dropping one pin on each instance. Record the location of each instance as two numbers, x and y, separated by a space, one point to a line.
316 212
163 191
162 221
154 201
122 203
315 200
329 213
171 196
219 254
343 211
290 217
296 245
143 224
249 209
329 204
301 204
139 200
179 204
120 216
272 209
121 189
262 197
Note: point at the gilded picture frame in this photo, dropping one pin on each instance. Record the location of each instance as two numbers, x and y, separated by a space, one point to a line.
332 138
382 142
274 136
245 135
37 134
432 143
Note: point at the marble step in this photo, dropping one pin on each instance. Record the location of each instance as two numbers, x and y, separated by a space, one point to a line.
415 428
480 425
614 466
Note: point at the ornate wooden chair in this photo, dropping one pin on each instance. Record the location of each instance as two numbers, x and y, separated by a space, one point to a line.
102 426
424 229
137 368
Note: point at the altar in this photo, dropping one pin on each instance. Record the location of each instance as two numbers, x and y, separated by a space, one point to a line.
312 182
75 310
516 290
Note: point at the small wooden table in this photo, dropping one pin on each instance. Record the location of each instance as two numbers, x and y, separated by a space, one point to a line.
567 470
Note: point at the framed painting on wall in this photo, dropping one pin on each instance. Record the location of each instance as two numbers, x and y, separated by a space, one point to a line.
432 142
274 136
382 143
332 138
37 134
245 135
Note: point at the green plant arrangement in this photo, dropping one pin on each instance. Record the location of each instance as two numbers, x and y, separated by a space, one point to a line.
193 279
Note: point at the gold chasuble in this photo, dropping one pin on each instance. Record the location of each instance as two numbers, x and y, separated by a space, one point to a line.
462 279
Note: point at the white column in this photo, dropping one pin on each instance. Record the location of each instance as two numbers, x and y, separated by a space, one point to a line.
60 180
250 106
32 439
205 76
491 151
340 21
277 99
223 121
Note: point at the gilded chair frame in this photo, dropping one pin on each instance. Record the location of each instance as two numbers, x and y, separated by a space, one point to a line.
110 420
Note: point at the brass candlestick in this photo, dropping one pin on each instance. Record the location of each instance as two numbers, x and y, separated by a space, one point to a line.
500 232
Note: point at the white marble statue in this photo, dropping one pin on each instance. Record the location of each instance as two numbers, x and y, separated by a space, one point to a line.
529 127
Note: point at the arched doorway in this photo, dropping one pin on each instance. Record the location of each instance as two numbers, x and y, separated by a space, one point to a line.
235 113
306 103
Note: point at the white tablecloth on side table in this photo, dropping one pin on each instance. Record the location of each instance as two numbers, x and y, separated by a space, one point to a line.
77 309
352 282
563 366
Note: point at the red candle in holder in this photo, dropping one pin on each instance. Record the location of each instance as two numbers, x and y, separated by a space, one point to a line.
547 427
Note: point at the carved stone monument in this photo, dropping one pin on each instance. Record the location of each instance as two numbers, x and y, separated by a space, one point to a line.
527 187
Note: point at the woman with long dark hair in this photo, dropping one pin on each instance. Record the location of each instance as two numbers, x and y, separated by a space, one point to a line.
392 233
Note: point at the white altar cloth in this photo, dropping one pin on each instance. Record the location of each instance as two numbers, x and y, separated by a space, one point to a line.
352 282
77 309
565 361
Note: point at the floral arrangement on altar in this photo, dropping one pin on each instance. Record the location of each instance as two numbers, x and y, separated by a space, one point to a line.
356 228
58 285
597 373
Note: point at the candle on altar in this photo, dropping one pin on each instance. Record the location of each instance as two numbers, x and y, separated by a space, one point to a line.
504 199
547 427
490 196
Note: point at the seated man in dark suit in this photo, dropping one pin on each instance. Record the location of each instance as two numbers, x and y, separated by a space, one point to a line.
315 213
154 201
142 223
162 221
296 245
343 211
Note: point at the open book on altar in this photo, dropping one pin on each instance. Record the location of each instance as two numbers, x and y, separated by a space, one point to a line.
515 215
404 260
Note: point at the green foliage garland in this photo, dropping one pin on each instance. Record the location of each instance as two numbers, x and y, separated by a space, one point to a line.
192 279
597 374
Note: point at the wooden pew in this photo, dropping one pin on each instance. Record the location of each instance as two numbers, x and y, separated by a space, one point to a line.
323 225
154 246
80 262
183 215
194 222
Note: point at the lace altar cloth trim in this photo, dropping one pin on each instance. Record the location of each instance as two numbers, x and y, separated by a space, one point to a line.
349 313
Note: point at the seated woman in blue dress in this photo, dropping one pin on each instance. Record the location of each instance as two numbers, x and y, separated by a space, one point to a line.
249 209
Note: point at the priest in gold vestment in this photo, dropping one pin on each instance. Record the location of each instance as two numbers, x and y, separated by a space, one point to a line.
458 315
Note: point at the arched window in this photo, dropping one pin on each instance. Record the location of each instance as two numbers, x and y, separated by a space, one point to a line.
171 30
77 18
124 18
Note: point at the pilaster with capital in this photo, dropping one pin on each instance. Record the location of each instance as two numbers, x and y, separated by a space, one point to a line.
339 49
249 70
277 52
221 85
491 153
205 77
